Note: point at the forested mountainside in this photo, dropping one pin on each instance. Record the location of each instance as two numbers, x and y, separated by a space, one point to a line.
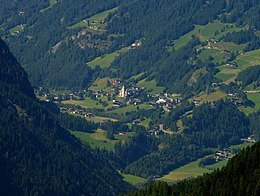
153 90
38 157
78 32
239 177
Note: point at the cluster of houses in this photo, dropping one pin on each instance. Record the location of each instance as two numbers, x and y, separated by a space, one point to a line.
77 111
78 95
223 154
250 139
135 45
155 131
231 64
94 94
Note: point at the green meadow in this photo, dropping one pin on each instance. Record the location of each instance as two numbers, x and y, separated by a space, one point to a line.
99 139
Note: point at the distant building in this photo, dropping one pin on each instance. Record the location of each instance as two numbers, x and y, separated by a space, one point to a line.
123 92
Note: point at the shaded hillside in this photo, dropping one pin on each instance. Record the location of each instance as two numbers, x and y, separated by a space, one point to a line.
241 176
37 155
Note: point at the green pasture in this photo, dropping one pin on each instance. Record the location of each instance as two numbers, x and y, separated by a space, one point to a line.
106 60
131 179
95 20
151 86
99 139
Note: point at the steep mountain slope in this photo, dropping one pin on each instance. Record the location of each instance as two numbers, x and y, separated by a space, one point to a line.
37 155
241 176
73 38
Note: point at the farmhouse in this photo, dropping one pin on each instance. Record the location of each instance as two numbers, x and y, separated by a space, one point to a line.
231 64
222 154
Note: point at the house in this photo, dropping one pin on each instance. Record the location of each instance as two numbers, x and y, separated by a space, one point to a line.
117 103
225 51
222 154
213 41
161 101
121 133
231 64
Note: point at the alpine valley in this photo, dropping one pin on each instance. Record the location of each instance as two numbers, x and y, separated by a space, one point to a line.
135 97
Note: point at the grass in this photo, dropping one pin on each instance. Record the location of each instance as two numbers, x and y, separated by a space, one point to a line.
210 29
193 170
189 170
18 28
131 179
216 54
180 125
151 86
183 40
217 165
248 59
136 76
87 103
250 87
211 97
130 108
241 146
99 139
101 84
255 97
106 60
216 29
225 77
95 20
229 46
146 122
100 119
52 2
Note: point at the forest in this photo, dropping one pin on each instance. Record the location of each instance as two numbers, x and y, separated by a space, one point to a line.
192 74
239 177
38 156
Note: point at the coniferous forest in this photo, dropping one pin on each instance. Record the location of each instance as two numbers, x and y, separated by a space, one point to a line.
143 97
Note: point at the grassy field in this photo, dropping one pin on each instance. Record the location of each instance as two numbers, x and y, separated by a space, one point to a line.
106 60
216 54
244 61
193 170
190 170
18 28
229 46
216 29
130 108
136 76
95 20
248 59
100 119
151 86
87 103
183 40
52 2
255 97
227 74
99 139
146 122
211 97
101 84
131 179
